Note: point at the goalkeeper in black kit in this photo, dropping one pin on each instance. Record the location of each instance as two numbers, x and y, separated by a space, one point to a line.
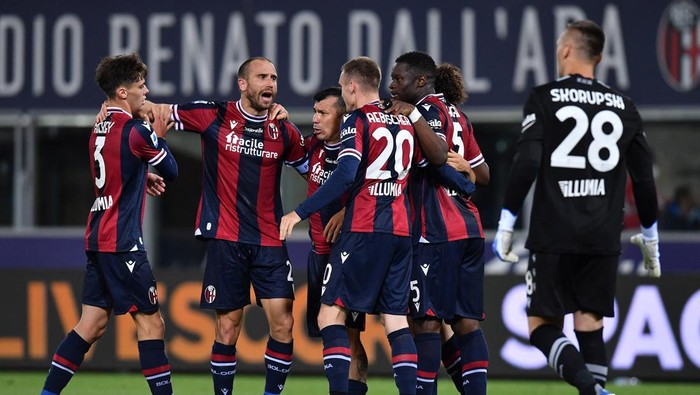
579 139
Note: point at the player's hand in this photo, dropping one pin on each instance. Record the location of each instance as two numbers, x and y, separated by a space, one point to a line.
503 246
650 251
102 115
398 107
332 229
161 120
155 185
277 112
287 224
460 164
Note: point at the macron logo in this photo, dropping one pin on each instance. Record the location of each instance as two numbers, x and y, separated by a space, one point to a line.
344 256
233 124
424 267
130 265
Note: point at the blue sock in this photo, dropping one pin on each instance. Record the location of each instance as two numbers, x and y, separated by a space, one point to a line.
428 349
452 361
67 359
356 387
475 362
223 367
278 360
155 366
336 358
404 360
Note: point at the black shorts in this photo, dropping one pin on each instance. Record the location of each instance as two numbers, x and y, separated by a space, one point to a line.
447 281
122 281
232 267
369 273
317 266
559 284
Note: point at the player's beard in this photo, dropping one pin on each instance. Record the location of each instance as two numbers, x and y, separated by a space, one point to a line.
255 100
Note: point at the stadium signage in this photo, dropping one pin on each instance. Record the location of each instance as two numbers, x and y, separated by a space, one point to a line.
48 53
654 335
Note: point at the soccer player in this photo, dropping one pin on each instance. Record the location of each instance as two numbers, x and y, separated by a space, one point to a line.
323 147
579 139
239 212
370 264
449 82
118 276
448 262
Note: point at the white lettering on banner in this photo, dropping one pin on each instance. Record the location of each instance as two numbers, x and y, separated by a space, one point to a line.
367 21
38 56
235 53
126 26
530 58
270 21
690 328
305 39
647 332
67 82
11 77
158 53
197 54
475 84
614 59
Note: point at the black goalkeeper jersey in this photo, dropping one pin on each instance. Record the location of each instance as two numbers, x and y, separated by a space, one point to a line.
579 139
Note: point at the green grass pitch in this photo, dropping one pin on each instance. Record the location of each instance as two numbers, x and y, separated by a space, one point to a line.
89 383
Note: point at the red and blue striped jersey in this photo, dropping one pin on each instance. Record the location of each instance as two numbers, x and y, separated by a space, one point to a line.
445 215
386 147
121 148
243 156
323 159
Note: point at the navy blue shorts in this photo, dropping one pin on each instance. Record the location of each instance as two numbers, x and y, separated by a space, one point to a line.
317 265
559 284
232 267
369 273
121 281
447 280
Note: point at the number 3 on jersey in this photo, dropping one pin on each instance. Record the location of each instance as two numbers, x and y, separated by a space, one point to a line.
561 156
100 170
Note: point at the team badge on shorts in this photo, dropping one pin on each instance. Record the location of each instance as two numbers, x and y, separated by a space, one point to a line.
153 295
210 294
678 45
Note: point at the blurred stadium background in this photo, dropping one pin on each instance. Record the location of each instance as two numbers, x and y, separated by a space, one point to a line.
48 99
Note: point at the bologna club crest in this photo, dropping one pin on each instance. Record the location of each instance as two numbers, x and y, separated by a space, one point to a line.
272 131
210 294
153 295
678 44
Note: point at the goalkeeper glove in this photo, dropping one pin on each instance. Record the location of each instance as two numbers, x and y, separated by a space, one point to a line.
650 251
503 241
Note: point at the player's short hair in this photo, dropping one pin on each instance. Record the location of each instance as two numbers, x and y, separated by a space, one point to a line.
333 91
449 82
364 71
120 70
243 69
591 38
420 63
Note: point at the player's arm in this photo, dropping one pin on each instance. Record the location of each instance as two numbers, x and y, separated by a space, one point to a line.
451 178
340 180
523 172
145 144
639 165
433 146
457 162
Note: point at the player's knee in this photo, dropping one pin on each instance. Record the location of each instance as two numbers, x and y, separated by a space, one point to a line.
281 328
426 325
